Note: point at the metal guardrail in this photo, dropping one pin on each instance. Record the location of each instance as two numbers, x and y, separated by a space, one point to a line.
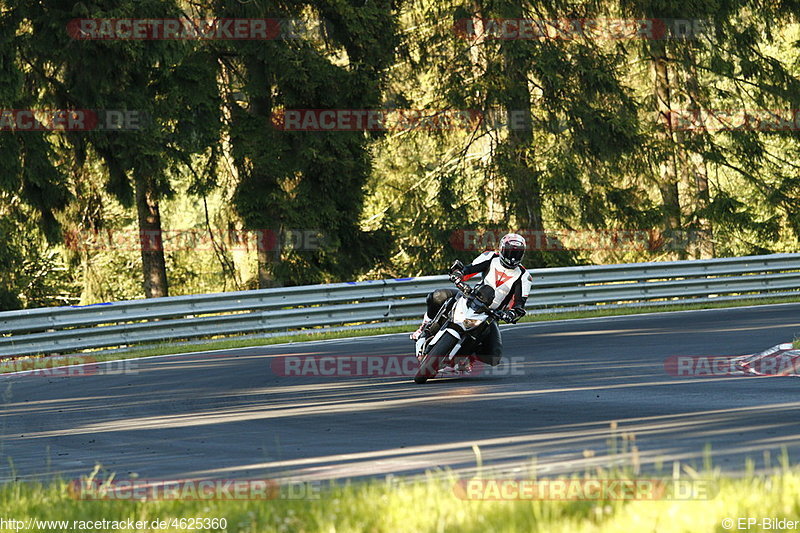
364 303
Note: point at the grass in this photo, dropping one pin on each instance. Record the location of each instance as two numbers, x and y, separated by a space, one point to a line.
322 334
429 504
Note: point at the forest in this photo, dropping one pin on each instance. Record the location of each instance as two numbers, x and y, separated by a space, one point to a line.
164 147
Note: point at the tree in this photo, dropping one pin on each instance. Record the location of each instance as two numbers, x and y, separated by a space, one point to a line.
718 68
570 122
168 86
290 180
31 183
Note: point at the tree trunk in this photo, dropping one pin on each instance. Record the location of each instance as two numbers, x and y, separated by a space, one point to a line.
151 243
496 205
269 252
668 169
268 256
515 162
703 247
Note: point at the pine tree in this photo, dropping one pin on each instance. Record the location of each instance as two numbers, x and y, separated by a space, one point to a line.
31 183
290 180
168 86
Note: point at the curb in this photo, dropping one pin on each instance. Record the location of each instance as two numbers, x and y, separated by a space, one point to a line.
784 361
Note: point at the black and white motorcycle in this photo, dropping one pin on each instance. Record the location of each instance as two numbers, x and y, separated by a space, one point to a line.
450 340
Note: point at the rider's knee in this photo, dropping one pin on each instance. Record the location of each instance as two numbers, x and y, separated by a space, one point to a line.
429 299
438 297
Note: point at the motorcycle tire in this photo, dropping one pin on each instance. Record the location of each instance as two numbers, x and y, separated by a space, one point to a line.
429 365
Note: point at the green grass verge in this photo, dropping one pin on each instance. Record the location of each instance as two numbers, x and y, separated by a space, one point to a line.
322 334
429 505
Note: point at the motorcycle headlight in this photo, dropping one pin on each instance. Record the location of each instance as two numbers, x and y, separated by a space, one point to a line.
471 323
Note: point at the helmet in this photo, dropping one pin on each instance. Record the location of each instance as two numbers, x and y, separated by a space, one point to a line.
512 248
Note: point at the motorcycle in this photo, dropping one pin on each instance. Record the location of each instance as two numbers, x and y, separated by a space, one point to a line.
451 338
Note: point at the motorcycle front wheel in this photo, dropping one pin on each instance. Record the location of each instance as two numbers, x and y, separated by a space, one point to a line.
429 365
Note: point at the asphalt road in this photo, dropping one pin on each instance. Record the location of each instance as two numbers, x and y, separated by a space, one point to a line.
573 388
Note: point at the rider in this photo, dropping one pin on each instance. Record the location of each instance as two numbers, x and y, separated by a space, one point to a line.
502 271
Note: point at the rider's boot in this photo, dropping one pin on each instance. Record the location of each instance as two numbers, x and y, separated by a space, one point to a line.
417 334
463 364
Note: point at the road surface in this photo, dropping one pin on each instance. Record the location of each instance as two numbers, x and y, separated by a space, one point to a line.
574 387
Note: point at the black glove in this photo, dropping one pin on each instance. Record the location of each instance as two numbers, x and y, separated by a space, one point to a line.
456 270
504 315
511 316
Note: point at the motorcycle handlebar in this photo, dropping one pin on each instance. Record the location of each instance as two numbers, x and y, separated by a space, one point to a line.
463 287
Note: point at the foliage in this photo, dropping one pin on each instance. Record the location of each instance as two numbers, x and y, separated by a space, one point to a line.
568 134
